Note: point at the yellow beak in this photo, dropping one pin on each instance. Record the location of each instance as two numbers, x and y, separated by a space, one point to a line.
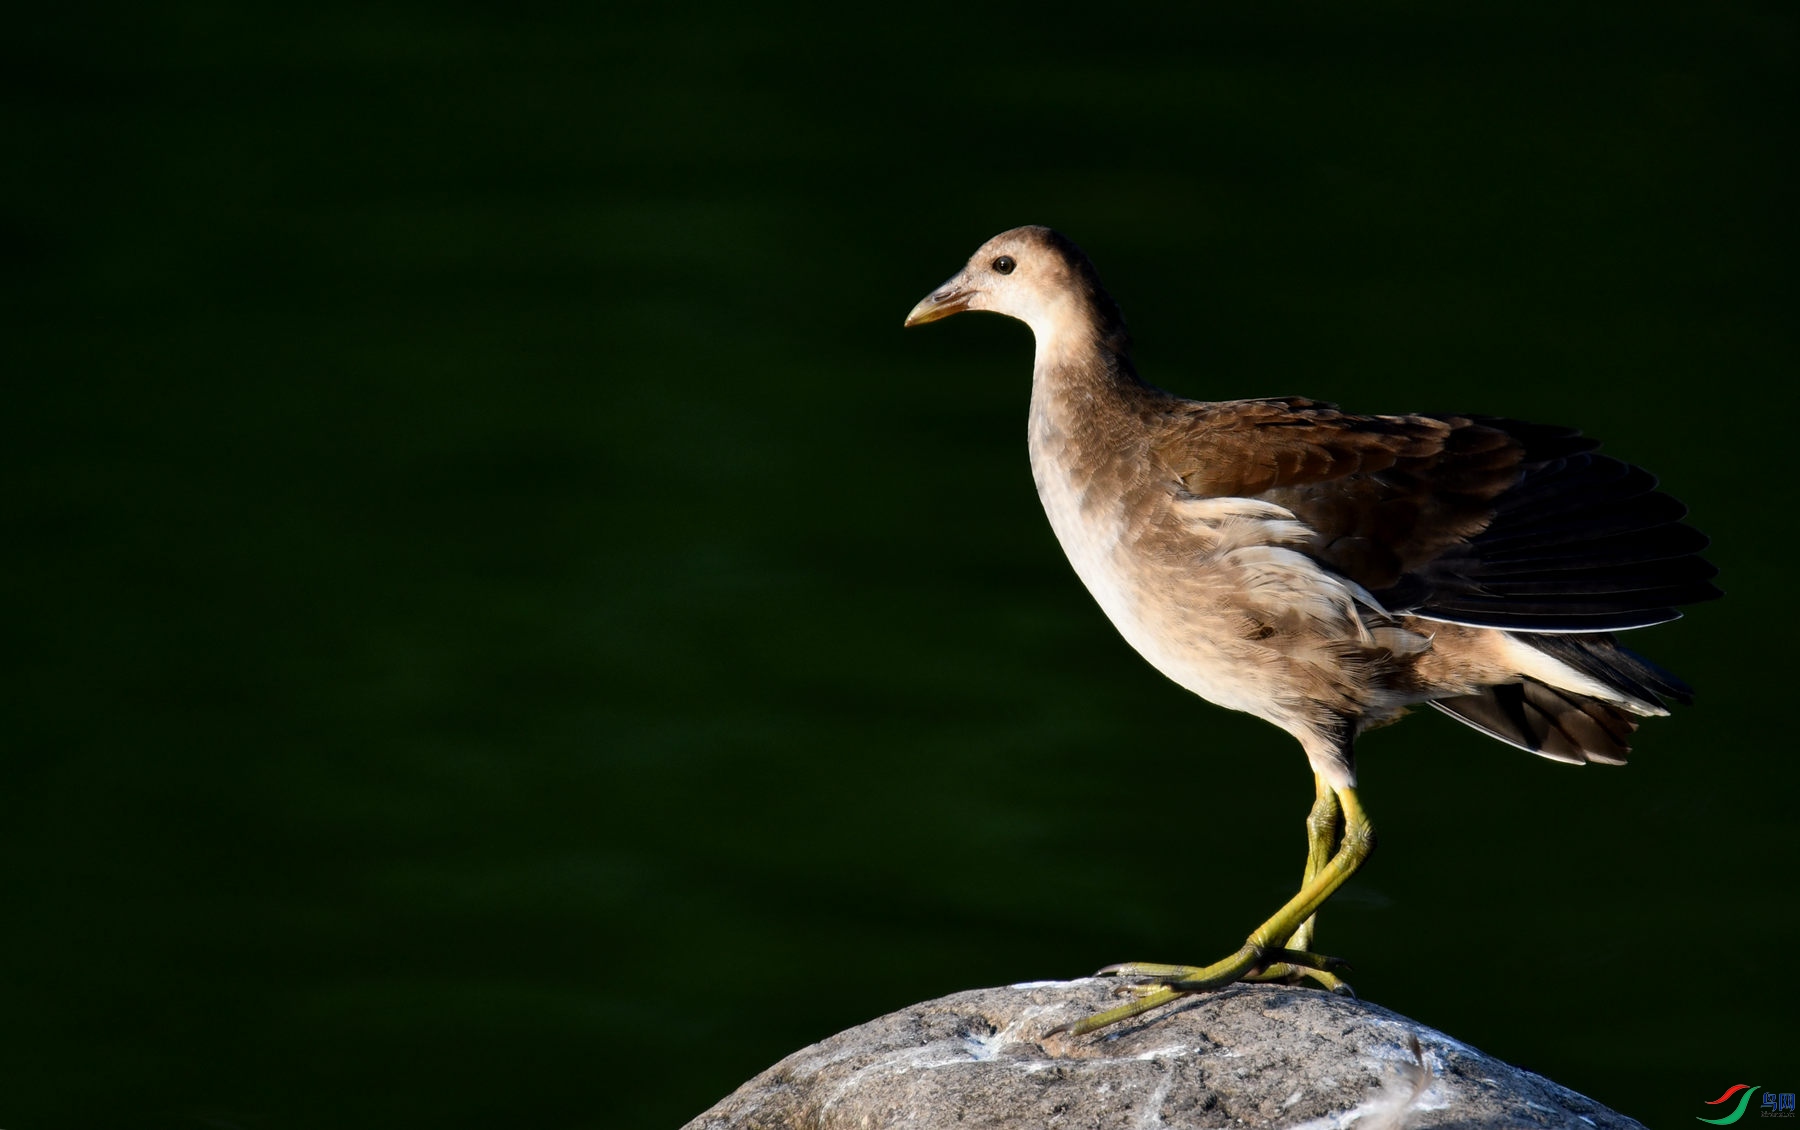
950 299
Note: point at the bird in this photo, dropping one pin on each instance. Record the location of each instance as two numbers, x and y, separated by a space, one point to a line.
1325 571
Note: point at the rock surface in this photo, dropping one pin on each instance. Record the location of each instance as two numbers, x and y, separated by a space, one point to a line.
1247 1056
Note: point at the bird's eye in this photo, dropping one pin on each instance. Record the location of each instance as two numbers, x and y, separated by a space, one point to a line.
1005 264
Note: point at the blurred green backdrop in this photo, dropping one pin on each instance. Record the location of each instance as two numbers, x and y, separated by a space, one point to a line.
504 628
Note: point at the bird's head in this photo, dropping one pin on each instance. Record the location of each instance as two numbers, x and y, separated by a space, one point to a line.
1036 275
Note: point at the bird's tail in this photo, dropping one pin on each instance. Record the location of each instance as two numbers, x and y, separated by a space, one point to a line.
1579 703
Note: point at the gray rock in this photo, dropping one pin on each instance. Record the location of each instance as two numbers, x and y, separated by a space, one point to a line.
1249 1055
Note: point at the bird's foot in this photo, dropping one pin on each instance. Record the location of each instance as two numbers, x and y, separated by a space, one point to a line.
1164 983
1284 973
1248 963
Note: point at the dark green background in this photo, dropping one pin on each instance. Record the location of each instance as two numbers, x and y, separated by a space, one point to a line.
503 628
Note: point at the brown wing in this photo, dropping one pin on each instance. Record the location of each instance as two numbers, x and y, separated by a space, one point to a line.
1474 519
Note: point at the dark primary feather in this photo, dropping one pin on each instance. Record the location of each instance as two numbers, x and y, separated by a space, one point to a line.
1581 543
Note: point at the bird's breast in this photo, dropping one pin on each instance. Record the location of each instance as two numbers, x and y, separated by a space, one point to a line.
1114 526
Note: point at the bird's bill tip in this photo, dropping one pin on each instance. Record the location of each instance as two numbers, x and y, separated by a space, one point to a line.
950 300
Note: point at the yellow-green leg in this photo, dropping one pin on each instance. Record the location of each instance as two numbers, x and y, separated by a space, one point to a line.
1322 826
1267 948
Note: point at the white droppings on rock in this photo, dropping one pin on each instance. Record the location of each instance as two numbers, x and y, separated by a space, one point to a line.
1339 1121
1153 1107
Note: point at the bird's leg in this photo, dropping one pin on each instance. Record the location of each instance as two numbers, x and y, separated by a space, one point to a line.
1264 948
1323 825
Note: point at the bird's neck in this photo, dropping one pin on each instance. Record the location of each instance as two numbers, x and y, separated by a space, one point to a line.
1085 400
1082 347
1082 368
